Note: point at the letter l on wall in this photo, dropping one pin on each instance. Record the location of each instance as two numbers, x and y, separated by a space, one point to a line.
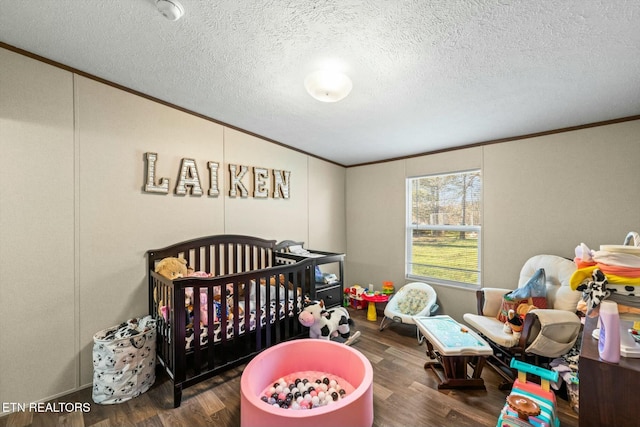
150 186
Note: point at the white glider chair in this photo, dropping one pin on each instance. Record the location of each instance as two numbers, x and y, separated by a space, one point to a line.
416 299
546 334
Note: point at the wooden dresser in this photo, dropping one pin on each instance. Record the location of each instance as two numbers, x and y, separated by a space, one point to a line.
608 392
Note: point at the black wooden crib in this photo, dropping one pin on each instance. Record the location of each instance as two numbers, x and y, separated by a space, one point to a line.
249 302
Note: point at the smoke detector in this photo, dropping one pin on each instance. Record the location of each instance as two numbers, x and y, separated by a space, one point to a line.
170 9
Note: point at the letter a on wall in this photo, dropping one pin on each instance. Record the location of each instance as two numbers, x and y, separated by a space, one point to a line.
189 178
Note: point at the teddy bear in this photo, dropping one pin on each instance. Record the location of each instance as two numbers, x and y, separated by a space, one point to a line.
172 268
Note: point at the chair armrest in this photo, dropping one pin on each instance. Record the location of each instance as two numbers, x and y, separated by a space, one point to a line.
489 300
556 316
563 327
530 329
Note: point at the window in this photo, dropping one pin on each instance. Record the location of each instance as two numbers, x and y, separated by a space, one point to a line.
443 228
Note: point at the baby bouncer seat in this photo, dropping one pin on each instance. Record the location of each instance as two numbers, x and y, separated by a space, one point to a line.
416 299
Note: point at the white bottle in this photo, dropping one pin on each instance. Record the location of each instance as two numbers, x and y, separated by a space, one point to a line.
609 342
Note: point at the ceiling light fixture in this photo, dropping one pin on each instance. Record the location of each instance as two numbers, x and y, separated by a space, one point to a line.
328 86
170 9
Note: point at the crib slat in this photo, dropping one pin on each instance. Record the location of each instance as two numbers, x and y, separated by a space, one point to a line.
178 331
210 326
251 258
216 257
196 330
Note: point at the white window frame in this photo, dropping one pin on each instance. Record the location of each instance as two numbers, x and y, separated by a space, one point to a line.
410 227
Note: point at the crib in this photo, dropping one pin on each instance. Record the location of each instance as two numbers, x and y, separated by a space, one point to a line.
246 297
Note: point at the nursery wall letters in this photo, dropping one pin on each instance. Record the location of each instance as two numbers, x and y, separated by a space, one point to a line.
189 181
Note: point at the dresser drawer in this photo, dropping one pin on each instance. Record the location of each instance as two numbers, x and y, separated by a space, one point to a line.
331 294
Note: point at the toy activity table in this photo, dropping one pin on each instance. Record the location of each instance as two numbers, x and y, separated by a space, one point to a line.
453 346
372 300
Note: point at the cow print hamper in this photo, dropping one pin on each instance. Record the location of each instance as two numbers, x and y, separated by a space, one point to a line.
124 360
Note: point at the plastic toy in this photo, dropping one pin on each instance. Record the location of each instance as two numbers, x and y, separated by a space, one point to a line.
355 297
387 288
372 299
530 404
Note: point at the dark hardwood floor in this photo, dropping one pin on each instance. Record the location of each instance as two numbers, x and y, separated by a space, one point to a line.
405 394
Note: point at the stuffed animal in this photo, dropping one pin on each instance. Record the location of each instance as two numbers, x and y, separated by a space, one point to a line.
325 324
175 268
217 306
523 309
513 325
172 268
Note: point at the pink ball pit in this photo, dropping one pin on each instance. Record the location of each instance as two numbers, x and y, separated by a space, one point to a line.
355 409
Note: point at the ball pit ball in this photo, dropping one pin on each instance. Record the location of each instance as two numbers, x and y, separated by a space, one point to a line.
354 386
311 397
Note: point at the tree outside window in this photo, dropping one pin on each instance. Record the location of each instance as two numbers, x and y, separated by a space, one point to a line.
444 228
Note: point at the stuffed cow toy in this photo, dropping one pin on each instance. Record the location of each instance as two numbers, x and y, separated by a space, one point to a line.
323 323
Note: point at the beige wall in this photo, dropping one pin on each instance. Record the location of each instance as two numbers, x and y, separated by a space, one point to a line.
266 217
75 223
117 221
549 194
327 229
375 218
541 195
38 292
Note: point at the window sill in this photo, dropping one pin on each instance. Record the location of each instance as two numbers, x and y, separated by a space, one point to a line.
444 283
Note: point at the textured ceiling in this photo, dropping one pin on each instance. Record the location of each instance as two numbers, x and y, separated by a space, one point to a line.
427 75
